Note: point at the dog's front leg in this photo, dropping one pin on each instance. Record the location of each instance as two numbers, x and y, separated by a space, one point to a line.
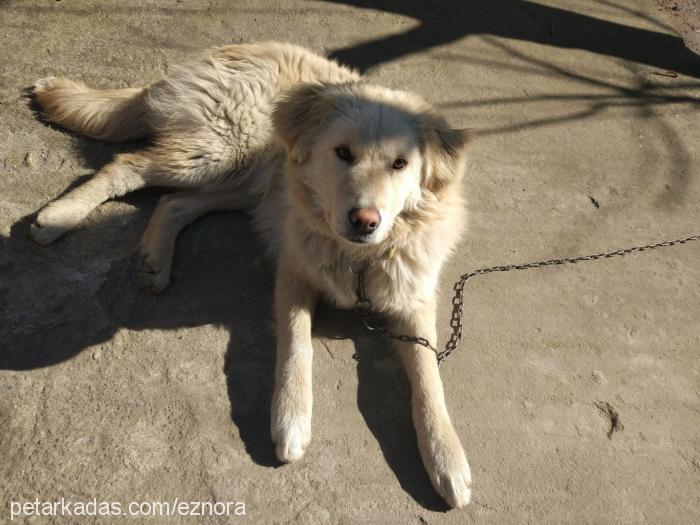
292 397
438 442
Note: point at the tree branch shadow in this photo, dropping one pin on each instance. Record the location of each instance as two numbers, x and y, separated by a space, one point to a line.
641 97
445 22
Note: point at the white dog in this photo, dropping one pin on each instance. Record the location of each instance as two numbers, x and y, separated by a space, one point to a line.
333 170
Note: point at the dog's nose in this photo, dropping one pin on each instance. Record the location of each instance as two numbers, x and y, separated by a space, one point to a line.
364 220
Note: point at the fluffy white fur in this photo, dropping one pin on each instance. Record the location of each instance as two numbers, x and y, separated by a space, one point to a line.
257 127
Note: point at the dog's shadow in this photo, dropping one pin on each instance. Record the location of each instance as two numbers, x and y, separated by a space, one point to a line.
79 292
384 400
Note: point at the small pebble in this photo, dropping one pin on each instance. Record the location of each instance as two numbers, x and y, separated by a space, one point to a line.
29 160
598 377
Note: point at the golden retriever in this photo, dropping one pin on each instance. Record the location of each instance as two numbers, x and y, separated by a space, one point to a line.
333 170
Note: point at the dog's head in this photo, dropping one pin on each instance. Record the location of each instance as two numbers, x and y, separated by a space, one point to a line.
365 155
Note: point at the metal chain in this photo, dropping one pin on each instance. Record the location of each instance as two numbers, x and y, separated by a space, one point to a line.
365 308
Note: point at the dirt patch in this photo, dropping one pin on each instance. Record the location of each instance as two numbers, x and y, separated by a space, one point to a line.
684 16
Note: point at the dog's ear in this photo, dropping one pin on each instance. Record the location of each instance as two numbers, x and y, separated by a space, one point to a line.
445 151
298 117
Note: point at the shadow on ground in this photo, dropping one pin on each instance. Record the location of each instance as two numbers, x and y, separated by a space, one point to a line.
444 22
219 279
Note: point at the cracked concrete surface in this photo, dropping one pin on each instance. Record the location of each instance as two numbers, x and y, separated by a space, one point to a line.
112 393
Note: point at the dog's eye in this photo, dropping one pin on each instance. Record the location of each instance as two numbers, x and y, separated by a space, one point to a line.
343 153
399 164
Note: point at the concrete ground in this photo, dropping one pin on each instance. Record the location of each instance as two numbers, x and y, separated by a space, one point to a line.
586 118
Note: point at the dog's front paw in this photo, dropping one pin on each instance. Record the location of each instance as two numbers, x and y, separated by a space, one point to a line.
55 220
291 442
291 430
447 467
154 269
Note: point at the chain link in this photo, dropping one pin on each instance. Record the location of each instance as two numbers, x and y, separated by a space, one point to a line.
365 308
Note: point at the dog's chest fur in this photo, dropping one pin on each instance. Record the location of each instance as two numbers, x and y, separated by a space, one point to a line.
398 280
391 284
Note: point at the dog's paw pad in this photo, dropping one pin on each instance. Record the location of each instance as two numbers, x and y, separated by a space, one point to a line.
154 273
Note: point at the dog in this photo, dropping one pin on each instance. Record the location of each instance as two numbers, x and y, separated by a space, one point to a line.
333 169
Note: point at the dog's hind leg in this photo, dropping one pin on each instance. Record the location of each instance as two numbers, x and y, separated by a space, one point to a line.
121 176
115 115
174 212
183 160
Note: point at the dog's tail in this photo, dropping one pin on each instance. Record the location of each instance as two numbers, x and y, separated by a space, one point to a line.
113 115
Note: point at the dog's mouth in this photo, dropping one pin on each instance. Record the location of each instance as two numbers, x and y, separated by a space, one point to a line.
359 239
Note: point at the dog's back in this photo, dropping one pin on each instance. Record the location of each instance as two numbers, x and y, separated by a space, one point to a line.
209 122
223 99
